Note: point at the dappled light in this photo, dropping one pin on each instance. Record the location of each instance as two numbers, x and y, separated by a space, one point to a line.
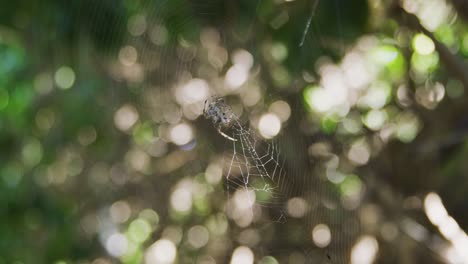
234 132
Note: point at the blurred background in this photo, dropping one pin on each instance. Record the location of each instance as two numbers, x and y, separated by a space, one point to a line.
106 156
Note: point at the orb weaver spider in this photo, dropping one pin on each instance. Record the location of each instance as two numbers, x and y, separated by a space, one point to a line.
220 114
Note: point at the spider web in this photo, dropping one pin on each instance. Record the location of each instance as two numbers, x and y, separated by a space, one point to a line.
256 165
259 181
253 166
171 43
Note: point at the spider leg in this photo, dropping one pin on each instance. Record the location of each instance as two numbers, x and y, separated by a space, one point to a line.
224 135
204 109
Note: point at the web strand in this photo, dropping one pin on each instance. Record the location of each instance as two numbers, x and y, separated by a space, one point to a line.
309 21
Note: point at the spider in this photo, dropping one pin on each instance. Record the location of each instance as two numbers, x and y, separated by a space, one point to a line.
220 115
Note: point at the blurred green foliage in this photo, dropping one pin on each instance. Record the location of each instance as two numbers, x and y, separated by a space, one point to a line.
87 157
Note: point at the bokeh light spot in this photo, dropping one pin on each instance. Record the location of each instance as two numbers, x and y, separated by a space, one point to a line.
359 153
236 76
137 25
268 260
244 199
242 255
158 35
64 77
198 236
243 58
162 251
181 134
423 44
321 235
128 55
407 129
125 117
269 125
297 207
364 251
214 173
281 109
434 209
120 211
279 51
318 99
87 135
139 230
351 185
32 152
43 83
117 245
196 90
385 54
181 200
173 233
377 96
375 119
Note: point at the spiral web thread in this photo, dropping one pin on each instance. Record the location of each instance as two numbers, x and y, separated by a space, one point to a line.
254 165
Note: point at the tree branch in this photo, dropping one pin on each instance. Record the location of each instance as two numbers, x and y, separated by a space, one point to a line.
462 7
455 65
